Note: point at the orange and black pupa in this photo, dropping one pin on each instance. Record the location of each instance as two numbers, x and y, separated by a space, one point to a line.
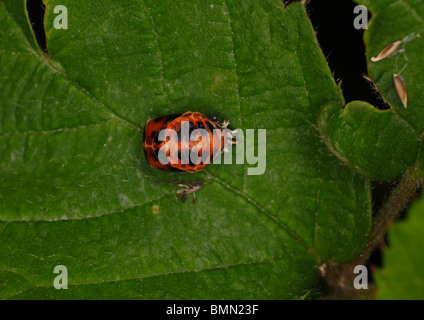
212 146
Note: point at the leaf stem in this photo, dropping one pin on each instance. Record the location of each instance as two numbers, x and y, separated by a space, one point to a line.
337 280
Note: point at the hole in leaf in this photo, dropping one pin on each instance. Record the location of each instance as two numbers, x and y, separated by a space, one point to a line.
36 10
344 48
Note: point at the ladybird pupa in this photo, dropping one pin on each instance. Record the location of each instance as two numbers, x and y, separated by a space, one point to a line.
387 51
212 144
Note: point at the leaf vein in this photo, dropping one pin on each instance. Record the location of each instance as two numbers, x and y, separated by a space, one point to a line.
236 82
44 61
64 129
159 55
206 269
264 211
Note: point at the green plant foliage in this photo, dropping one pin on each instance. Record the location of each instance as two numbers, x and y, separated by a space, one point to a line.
402 275
76 190
384 144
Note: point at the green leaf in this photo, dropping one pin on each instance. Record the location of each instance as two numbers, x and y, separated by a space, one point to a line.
402 276
383 144
76 190
376 143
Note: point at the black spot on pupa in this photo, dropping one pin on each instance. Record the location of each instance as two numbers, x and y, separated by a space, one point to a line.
168 118
155 137
214 119
210 126
190 127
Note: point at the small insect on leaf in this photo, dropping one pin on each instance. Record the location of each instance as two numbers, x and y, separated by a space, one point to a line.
387 51
187 188
401 89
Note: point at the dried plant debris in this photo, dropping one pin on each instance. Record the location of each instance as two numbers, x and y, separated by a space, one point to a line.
401 89
387 51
